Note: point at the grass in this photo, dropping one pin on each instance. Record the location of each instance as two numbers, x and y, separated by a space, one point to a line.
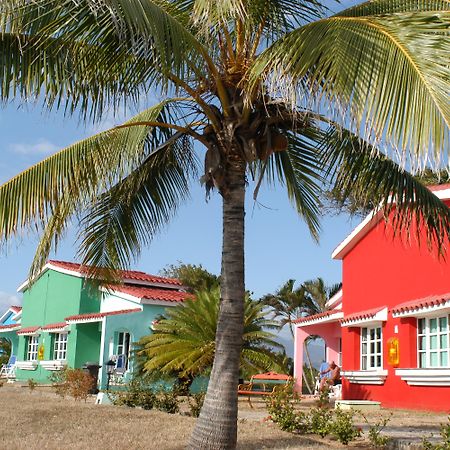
40 419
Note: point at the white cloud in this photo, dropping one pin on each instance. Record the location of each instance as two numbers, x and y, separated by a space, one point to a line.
41 147
6 300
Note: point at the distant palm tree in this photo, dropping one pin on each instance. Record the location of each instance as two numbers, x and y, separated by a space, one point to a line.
317 294
309 298
184 341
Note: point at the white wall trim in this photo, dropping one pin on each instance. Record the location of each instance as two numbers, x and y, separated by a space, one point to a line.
77 274
88 320
421 311
53 364
335 302
425 377
377 319
26 365
365 376
331 318
368 223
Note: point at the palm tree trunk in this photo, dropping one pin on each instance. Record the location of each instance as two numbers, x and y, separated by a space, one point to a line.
216 428
308 358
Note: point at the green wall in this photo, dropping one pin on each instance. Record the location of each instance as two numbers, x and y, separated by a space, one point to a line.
53 297
137 324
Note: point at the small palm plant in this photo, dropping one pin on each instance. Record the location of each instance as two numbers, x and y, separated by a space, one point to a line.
184 341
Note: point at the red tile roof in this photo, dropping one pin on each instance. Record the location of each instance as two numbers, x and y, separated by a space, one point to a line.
434 300
126 274
165 295
361 315
16 309
28 330
316 316
89 316
10 326
439 187
55 326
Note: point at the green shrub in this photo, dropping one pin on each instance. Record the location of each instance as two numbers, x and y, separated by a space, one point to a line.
320 421
196 403
136 394
31 384
281 407
343 428
374 434
445 435
167 401
324 397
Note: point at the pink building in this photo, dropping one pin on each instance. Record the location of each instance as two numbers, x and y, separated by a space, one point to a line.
389 327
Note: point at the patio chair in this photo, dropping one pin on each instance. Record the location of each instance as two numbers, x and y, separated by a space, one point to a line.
8 370
121 365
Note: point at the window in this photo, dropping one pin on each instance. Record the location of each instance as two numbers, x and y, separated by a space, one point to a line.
371 348
60 347
32 352
123 346
433 342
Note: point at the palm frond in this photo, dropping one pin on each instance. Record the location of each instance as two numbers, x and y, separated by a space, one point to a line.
384 64
112 49
357 167
68 181
299 169
133 211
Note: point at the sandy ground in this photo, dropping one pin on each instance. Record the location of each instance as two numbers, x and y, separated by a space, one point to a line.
41 420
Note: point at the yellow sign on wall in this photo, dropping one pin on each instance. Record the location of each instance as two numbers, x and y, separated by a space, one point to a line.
41 352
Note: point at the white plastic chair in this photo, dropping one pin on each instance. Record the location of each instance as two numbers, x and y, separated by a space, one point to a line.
8 370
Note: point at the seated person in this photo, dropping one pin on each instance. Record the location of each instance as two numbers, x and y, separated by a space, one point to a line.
324 370
335 376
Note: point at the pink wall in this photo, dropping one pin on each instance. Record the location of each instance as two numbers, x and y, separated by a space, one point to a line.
329 332
384 271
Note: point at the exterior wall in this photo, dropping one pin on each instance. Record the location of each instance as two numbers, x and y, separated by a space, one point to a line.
14 339
9 319
137 324
329 332
385 271
87 345
50 299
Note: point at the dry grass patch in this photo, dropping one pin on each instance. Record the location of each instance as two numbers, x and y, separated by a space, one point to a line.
42 420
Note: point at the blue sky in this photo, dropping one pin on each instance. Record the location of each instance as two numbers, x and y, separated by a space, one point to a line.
278 245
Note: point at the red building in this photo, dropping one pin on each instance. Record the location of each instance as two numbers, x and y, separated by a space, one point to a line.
389 328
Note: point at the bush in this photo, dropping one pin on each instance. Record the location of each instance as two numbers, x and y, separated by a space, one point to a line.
375 437
281 407
445 444
136 394
31 384
73 382
342 426
167 401
196 403
320 421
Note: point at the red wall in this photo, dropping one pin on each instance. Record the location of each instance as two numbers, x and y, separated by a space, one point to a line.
385 271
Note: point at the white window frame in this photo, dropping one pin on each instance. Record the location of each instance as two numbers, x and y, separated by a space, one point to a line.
60 346
368 355
32 348
428 335
121 346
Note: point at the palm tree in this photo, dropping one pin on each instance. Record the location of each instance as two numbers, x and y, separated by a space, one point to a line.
184 341
288 304
265 87
317 294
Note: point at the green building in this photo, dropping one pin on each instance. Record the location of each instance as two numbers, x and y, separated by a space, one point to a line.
66 322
